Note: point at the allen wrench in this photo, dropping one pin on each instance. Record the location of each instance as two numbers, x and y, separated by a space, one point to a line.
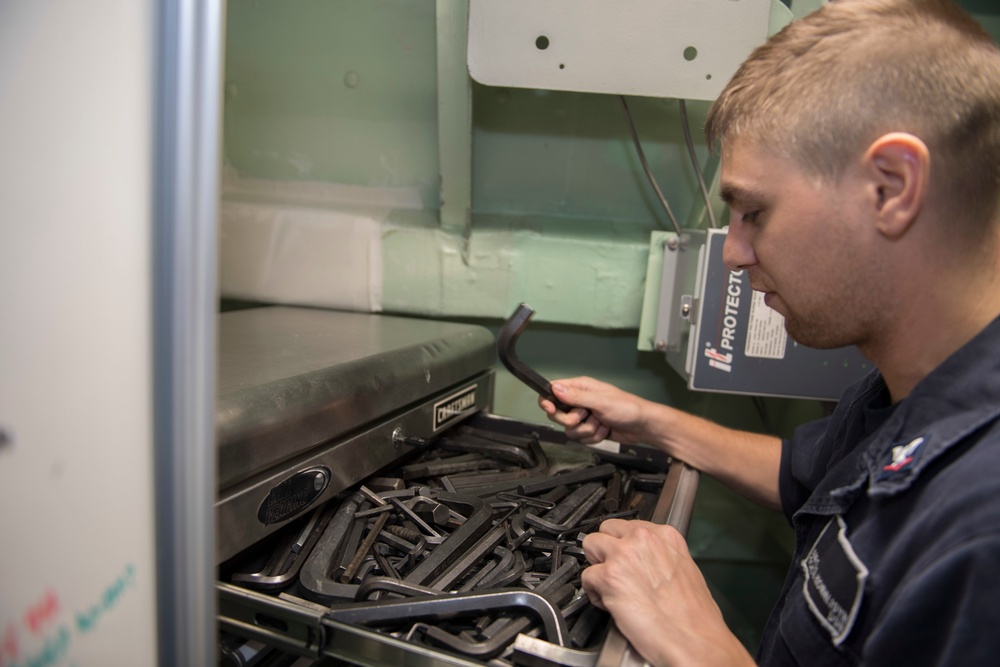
504 452
540 653
602 471
501 632
583 627
506 339
429 510
390 585
509 479
575 606
613 497
468 559
317 583
586 525
508 509
356 528
570 512
384 564
431 535
501 579
439 607
540 503
479 517
366 545
484 571
517 526
447 466
288 558
398 538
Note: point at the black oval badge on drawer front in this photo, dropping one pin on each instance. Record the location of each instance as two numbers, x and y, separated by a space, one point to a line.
293 495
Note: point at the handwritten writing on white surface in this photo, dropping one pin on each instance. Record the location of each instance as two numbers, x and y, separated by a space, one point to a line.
43 635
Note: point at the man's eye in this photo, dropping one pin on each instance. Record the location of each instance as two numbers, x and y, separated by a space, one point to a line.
750 216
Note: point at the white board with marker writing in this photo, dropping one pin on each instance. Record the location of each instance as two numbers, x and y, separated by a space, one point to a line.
76 477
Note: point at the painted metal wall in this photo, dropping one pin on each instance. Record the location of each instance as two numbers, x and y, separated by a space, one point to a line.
366 171
345 108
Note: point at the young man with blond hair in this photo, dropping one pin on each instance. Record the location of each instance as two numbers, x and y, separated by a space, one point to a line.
861 164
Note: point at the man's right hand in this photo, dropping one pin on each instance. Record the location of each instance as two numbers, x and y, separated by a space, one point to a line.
746 462
600 411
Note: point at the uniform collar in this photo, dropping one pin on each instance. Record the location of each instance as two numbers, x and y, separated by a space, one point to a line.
958 397
955 399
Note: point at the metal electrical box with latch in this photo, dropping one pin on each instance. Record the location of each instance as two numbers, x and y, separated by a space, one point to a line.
719 334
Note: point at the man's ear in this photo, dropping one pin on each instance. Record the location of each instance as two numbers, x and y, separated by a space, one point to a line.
898 168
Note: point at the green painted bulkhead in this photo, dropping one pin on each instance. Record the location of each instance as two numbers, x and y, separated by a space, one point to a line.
343 98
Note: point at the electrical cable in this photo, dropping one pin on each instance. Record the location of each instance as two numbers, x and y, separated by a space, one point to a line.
645 166
694 163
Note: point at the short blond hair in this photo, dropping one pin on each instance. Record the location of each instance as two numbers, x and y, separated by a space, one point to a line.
828 85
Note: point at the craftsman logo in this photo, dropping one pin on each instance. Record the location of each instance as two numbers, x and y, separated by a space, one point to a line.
721 358
454 407
834 580
904 455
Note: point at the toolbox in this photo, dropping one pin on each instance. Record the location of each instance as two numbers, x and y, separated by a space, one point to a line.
372 510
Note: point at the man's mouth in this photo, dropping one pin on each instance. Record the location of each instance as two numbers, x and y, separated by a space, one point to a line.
759 286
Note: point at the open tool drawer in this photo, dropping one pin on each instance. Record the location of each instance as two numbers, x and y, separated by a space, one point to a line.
433 533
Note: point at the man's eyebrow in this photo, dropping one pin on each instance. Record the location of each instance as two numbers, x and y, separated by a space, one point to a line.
734 193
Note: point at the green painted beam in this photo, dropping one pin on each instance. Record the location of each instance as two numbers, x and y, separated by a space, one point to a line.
591 277
454 93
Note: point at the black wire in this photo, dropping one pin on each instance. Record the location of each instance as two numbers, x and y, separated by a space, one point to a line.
694 162
645 166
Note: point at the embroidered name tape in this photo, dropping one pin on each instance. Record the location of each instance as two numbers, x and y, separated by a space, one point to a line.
834 580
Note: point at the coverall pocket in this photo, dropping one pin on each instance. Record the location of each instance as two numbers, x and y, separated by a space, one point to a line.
808 642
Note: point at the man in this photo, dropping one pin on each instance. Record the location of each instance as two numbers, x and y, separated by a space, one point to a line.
861 164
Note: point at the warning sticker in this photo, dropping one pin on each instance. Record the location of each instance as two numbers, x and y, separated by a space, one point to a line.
766 337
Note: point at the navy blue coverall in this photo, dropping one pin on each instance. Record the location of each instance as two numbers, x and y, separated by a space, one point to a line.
896 511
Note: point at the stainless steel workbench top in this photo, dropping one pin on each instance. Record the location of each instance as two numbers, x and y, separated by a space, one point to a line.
292 378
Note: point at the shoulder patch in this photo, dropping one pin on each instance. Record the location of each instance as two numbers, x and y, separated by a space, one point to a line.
834 580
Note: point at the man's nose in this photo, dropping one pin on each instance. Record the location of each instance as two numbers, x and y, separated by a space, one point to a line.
737 253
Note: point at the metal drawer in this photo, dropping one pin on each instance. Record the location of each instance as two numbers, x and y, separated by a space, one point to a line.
290 624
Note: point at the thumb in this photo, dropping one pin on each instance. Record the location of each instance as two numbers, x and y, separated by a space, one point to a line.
564 392
573 393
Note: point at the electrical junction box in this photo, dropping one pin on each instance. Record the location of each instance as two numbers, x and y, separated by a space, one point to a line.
719 334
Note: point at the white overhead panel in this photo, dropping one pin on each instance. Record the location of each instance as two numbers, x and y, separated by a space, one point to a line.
657 48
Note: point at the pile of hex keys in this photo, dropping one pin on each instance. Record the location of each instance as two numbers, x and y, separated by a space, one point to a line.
473 548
